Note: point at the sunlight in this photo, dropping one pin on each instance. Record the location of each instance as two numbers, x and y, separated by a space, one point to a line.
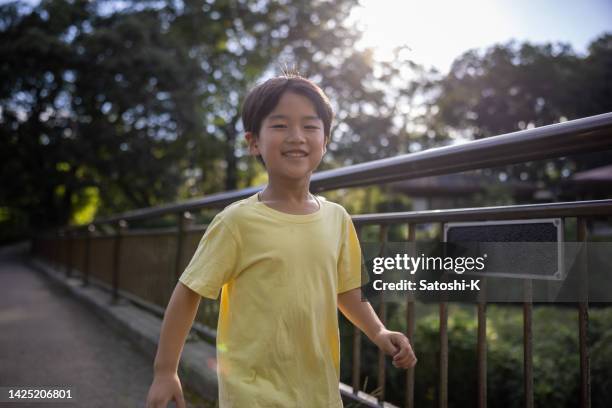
435 31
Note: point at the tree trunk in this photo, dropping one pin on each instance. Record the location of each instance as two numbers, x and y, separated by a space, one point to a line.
231 171
231 181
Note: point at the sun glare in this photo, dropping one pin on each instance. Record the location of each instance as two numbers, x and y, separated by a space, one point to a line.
435 31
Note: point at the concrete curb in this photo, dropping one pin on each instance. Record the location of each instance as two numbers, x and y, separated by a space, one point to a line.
197 369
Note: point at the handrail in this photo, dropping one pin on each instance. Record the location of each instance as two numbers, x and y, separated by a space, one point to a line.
563 209
572 137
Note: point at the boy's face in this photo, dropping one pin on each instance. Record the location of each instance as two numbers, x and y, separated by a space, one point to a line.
291 139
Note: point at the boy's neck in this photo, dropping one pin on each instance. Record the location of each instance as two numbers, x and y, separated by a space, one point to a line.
286 193
293 198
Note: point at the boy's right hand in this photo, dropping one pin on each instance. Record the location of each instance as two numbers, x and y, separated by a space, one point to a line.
164 389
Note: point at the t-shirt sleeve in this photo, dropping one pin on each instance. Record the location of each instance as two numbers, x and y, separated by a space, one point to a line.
214 262
350 262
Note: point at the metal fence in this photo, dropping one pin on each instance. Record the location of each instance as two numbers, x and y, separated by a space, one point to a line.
144 264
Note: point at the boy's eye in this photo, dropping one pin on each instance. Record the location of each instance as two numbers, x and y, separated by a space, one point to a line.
307 127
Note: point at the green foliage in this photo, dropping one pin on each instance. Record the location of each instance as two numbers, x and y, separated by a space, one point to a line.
555 355
85 204
600 353
91 101
511 87
140 100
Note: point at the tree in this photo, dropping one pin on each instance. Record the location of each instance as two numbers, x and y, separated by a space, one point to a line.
512 87
138 102
310 37
37 145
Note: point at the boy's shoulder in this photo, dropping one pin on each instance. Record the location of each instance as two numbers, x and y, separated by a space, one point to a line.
335 212
332 205
236 209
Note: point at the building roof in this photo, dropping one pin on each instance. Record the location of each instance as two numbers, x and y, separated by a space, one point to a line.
603 173
458 184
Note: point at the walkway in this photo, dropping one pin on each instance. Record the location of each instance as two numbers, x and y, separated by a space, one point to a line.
47 338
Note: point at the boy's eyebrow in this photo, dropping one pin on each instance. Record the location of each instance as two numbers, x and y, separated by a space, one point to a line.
286 117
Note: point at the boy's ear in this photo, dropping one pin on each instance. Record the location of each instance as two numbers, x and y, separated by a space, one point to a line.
252 141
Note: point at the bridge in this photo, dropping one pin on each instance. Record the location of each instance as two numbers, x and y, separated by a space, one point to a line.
122 269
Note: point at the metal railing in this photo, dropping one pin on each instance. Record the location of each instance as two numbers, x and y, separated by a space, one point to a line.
104 257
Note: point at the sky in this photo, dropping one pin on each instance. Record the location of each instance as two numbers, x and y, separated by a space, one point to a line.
438 31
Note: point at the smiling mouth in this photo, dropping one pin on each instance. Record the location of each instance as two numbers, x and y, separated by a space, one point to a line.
295 154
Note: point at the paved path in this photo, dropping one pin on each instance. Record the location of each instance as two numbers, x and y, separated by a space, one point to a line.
47 338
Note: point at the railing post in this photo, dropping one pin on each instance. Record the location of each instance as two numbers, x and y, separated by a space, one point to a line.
69 244
528 344
356 346
443 395
121 226
382 314
34 246
62 258
583 323
57 249
410 325
481 346
184 220
86 267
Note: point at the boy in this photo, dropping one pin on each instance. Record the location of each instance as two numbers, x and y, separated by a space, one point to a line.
285 261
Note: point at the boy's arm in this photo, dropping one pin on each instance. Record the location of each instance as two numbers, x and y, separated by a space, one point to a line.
178 320
363 316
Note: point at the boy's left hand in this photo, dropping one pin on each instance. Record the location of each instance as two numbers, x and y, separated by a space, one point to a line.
396 345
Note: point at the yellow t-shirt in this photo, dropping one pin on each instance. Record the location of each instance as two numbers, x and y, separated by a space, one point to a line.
280 274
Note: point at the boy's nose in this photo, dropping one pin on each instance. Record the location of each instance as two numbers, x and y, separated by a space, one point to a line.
296 134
